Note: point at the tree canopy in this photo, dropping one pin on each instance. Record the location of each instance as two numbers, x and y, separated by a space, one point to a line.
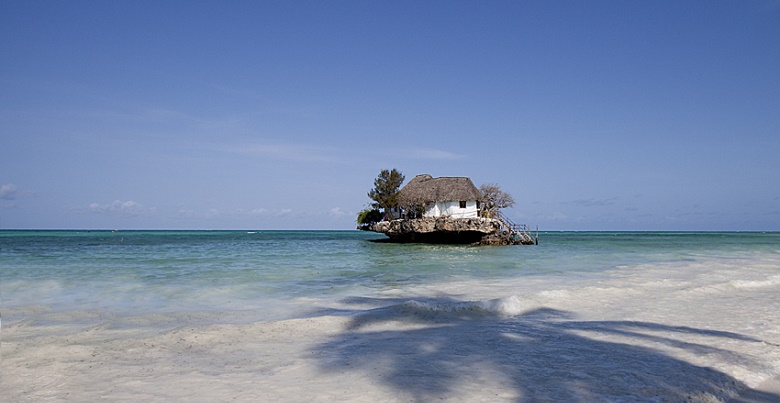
495 199
385 191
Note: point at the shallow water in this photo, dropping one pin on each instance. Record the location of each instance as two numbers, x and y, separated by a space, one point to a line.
647 311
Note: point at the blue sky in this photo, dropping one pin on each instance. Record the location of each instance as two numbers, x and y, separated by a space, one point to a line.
599 115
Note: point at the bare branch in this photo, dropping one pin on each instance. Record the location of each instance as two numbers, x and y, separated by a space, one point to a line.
495 199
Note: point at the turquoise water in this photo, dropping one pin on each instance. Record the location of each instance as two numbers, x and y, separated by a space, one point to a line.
264 315
279 274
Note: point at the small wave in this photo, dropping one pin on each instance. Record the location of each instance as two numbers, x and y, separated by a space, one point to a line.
509 306
769 282
555 294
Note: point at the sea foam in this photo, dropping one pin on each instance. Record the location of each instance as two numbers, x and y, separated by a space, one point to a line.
504 307
749 284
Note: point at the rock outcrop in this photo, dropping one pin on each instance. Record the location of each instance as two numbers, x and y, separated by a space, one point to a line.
445 230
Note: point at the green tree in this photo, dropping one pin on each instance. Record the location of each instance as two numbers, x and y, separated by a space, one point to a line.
385 191
494 199
367 217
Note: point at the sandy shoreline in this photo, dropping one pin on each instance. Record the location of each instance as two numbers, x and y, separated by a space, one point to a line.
698 331
767 391
399 351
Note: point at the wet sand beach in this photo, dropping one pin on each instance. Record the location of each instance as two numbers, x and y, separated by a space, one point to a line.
188 321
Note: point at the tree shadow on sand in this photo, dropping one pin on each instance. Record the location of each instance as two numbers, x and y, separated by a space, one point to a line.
440 348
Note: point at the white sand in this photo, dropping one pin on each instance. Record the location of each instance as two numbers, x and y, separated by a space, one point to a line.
768 391
661 335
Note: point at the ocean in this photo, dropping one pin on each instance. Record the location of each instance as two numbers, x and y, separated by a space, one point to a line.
339 316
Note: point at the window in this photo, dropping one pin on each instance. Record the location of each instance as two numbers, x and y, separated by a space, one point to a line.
462 204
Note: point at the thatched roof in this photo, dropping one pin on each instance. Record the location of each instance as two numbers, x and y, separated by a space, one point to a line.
424 189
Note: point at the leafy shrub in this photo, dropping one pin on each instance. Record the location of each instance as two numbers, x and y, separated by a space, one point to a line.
368 217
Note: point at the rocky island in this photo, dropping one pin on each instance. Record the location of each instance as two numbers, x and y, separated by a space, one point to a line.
441 210
483 231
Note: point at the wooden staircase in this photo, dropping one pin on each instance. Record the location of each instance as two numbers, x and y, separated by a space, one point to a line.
520 233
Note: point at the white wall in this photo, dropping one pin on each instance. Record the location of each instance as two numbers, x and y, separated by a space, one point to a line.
452 209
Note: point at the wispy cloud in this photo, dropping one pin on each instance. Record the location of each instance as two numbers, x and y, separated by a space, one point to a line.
337 212
121 208
593 202
186 213
293 152
255 212
557 216
428 154
8 191
284 212
263 212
